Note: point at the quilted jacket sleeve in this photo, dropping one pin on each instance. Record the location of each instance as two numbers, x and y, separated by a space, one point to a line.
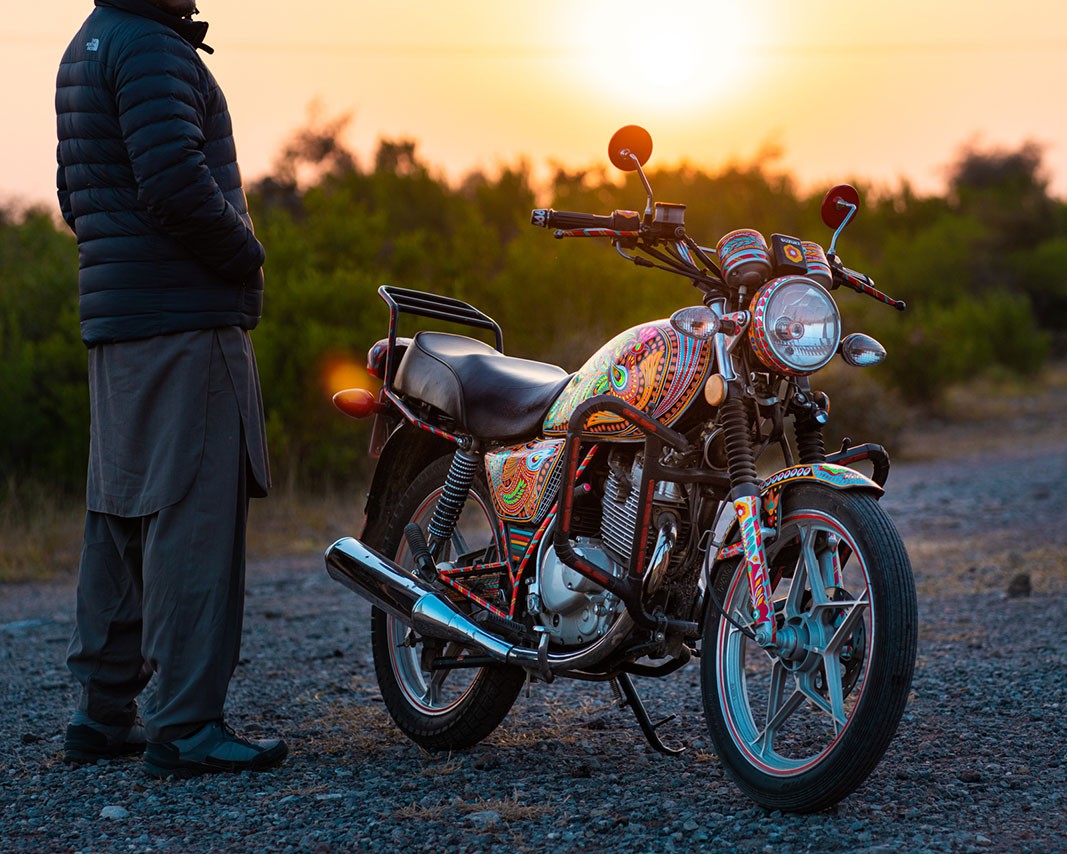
166 99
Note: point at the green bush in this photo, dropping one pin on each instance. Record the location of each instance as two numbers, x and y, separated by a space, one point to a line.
984 271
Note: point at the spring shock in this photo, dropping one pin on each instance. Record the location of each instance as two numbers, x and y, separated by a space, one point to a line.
808 427
746 501
739 454
454 495
811 447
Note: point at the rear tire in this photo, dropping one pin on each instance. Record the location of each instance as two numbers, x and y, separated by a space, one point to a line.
801 730
439 710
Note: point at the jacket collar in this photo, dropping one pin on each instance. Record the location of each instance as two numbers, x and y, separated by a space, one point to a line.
190 30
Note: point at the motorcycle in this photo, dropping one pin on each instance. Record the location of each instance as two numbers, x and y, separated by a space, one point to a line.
525 523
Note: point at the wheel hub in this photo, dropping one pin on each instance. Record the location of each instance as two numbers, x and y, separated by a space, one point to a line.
801 640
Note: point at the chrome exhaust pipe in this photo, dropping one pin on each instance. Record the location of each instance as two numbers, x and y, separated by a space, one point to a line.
396 591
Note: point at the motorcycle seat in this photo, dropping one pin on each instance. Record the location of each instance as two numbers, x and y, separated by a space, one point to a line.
488 394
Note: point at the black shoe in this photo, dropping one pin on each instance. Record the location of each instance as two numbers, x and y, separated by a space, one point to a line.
212 749
89 741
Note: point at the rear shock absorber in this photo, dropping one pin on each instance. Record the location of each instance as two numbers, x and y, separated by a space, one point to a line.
454 495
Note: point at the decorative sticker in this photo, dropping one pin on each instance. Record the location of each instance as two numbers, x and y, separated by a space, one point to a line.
524 479
747 509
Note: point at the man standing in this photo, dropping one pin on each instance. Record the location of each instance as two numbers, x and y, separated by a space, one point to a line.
170 282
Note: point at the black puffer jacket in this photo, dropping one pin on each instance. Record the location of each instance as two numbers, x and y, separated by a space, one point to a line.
148 180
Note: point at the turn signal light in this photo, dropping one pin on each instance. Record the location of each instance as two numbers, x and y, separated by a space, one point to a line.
356 402
862 351
697 321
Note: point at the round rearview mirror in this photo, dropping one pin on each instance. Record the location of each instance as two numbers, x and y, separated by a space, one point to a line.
842 200
631 139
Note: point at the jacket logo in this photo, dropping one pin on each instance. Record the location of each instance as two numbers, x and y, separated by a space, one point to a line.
93 45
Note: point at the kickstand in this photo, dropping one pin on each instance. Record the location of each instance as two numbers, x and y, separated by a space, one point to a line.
647 727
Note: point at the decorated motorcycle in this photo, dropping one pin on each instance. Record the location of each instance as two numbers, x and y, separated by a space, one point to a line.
526 524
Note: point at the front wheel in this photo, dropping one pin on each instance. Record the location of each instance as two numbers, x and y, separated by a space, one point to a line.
439 709
802 726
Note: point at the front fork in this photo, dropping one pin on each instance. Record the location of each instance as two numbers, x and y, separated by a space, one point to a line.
745 490
748 510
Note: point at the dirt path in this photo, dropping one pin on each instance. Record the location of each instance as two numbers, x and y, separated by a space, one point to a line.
980 761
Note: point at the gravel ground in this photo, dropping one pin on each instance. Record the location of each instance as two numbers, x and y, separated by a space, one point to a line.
979 763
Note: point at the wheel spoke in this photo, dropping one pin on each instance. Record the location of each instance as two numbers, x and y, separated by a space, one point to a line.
832 671
848 625
806 561
779 707
459 542
436 683
806 684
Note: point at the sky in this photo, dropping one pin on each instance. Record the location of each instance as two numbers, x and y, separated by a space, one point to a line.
831 89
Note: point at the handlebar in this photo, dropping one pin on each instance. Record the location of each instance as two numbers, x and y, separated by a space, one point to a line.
569 220
863 284
629 224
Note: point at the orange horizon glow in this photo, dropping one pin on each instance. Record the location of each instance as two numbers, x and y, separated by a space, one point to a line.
844 91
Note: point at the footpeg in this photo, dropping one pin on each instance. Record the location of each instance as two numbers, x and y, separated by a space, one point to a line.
425 567
544 671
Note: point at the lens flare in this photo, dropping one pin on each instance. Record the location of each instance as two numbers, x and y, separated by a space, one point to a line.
340 371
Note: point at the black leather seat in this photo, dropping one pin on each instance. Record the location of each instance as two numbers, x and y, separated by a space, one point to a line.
490 395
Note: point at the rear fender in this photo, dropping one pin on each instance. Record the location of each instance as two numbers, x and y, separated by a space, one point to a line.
407 452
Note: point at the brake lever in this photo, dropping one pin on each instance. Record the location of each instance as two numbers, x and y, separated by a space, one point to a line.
863 284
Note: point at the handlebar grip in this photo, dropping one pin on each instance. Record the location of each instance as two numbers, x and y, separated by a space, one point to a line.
567 220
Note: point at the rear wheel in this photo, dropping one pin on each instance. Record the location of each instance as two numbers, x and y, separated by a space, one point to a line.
802 727
439 709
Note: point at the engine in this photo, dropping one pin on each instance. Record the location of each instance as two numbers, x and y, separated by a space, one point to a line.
572 608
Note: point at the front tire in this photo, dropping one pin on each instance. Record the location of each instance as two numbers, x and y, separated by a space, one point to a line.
439 710
802 728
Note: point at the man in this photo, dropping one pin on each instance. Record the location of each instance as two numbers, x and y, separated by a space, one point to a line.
170 283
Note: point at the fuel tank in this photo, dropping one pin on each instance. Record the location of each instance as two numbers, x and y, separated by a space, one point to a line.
651 366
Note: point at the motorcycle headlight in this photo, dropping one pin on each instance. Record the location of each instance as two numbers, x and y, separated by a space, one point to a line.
796 326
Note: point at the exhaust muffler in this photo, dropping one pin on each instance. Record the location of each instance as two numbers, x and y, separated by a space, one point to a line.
396 591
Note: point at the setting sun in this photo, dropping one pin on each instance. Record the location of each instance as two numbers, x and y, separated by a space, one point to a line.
686 56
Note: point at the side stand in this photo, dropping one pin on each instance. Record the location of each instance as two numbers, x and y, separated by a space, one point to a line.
647 727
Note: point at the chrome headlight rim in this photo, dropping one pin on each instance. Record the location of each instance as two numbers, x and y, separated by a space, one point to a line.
766 315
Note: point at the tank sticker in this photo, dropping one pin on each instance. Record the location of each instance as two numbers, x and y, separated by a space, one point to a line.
524 479
651 367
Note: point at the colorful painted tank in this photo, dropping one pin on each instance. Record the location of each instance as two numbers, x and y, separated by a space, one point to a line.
652 367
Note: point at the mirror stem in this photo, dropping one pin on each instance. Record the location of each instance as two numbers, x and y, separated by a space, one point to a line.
650 205
841 203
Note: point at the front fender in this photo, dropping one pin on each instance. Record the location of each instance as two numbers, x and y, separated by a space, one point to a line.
831 474
771 489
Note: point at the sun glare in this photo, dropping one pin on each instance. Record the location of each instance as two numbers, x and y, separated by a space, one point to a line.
672 56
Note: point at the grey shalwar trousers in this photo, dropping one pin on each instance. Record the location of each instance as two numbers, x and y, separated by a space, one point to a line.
162 573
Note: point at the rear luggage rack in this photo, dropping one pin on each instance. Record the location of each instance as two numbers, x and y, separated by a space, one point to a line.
405 301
